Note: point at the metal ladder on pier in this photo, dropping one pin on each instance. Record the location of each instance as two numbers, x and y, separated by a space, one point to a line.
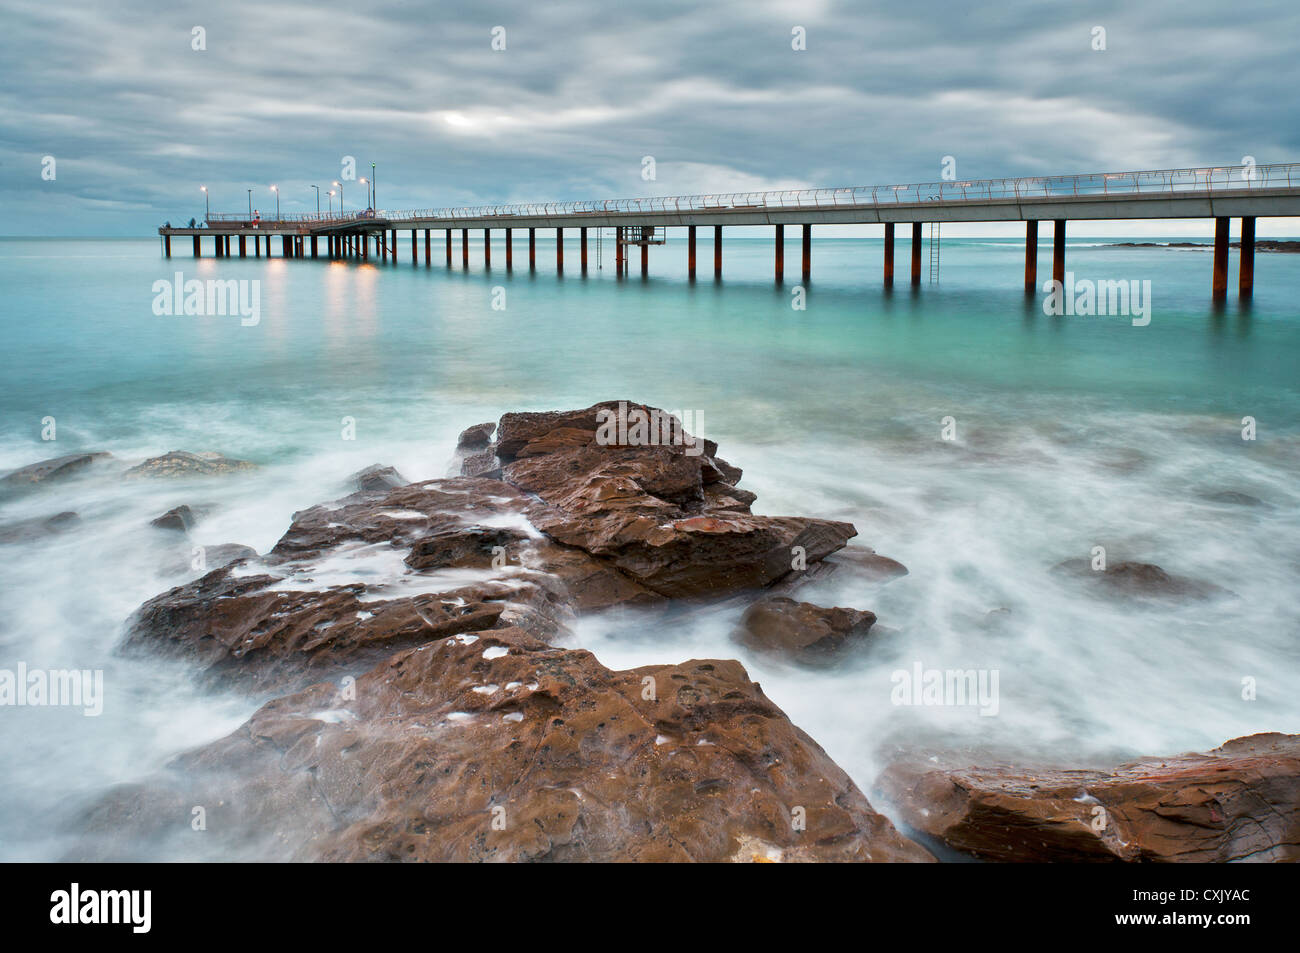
934 252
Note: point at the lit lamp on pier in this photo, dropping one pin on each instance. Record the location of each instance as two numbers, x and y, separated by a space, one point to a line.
276 190
207 211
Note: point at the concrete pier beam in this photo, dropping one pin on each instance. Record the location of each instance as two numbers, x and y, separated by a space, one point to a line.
464 247
449 248
582 233
916 253
1031 256
690 252
313 246
487 248
428 251
559 249
717 251
807 253
198 252
415 249
167 245
1220 286
779 264
532 249
1058 250
510 252
647 232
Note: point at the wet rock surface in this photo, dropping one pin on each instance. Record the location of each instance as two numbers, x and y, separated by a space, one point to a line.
40 527
179 463
47 471
802 631
1135 580
427 711
1239 802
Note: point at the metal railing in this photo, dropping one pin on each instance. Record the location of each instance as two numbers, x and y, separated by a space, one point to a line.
1218 179
1164 181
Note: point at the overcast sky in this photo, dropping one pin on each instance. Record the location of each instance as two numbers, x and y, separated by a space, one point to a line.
136 119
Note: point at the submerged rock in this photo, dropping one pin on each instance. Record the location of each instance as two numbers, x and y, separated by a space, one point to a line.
183 463
802 631
1134 579
1239 802
57 468
25 531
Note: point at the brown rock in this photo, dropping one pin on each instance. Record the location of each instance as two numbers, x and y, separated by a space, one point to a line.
26 531
377 479
57 468
802 631
1139 580
493 746
179 463
1238 802
178 519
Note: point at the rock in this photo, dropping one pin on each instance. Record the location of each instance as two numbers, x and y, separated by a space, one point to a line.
377 479
1239 802
802 631
57 468
183 463
25 531
411 635
178 519
213 557
476 438
1137 580
494 746
1233 498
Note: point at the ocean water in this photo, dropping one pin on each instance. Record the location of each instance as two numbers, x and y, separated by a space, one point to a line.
1070 433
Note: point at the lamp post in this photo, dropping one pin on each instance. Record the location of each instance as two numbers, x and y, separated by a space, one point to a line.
276 190
317 188
374 187
207 211
331 201
250 203
339 186
367 183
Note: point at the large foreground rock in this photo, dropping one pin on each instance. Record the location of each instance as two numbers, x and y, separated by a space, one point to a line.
1239 802
427 711
496 746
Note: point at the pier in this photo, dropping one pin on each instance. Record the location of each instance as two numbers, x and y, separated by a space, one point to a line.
1221 193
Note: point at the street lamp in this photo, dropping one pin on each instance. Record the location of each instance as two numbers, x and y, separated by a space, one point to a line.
317 188
331 201
207 211
276 190
250 203
374 186
340 188
367 182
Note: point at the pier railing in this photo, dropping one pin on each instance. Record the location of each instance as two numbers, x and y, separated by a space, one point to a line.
1219 179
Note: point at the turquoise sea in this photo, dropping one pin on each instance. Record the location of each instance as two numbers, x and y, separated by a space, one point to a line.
1070 433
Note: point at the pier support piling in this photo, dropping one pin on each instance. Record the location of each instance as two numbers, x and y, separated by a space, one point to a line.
807 253
532 249
916 254
889 254
428 253
582 234
415 249
313 246
1058 251
510 252
487 248
464 247
286 248
690 252
1031 256
1246 262
1220 289
717 251
559 249
779 264
243 246
646 235
449 248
